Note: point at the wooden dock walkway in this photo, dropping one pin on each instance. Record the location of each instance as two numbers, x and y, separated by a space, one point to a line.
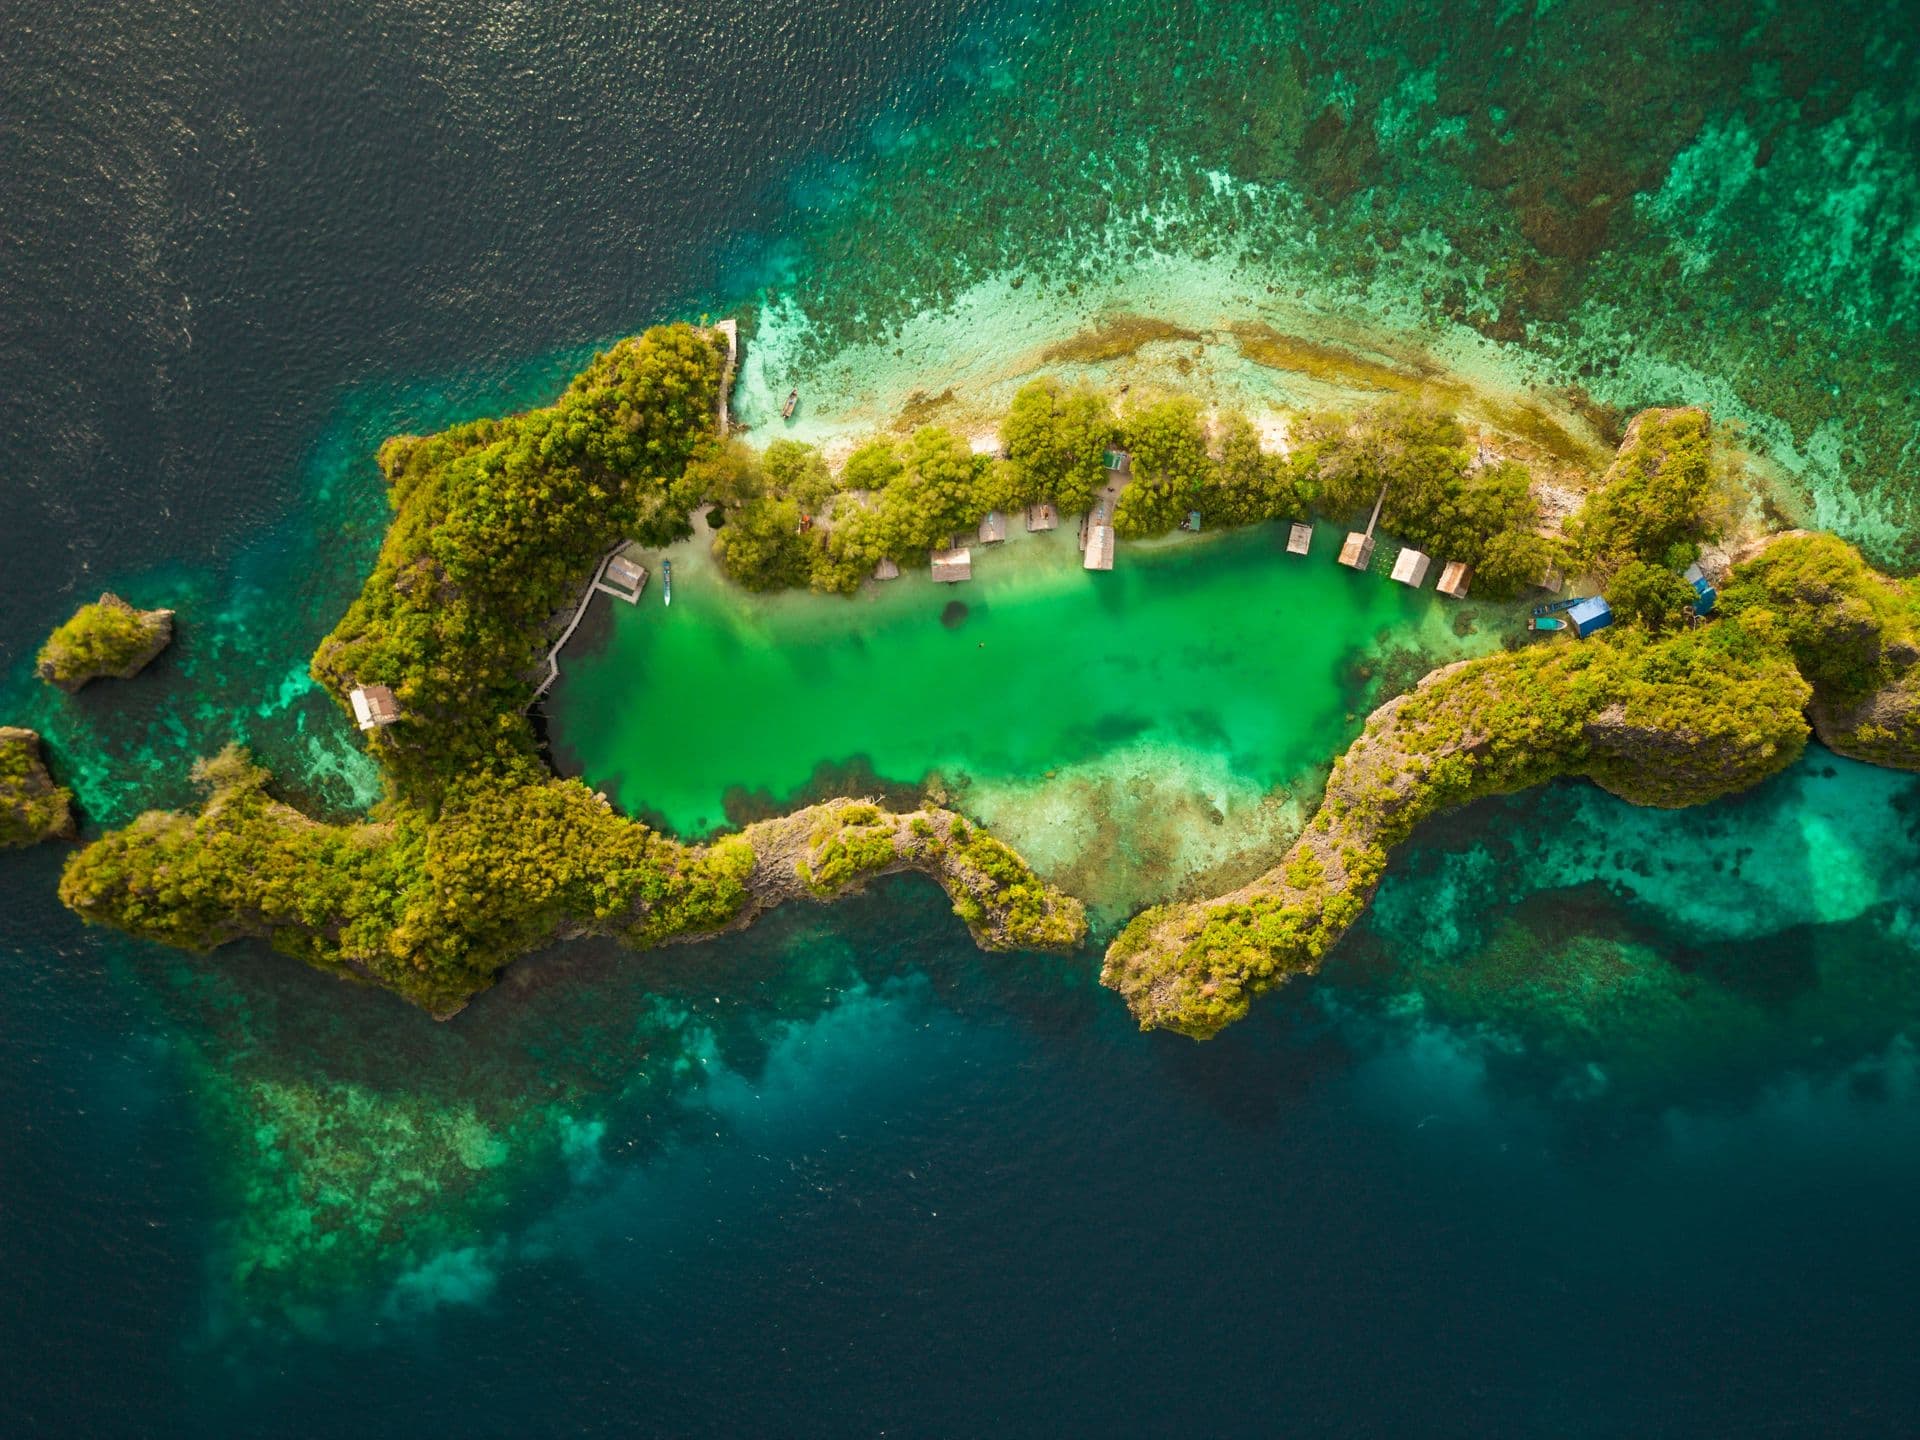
596 586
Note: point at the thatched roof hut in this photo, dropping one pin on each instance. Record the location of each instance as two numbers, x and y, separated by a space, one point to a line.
1044 516
1455 579
1411 567
952 566
886 569
1299 539
993 528
1357 552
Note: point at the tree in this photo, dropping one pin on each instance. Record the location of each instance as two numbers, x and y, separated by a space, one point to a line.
1056 441
1649 596
846 555
932 498
1655 504
762 547
1249 485
800 473
872 466
729 477
1170 467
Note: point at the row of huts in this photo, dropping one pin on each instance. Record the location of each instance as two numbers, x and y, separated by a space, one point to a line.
954 563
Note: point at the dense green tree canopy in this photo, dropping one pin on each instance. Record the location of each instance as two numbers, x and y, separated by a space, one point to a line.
1171 467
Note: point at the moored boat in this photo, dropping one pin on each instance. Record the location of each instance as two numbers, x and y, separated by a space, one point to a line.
793 400
666 581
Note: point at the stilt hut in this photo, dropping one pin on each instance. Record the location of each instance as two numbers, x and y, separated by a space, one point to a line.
1042 517
952 566
625 578
1299 539
373 706
1551 580
993 528
1357 553
1455 578
886 569
1411 567
1099 554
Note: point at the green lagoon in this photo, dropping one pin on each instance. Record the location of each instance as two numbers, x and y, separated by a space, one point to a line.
1215 674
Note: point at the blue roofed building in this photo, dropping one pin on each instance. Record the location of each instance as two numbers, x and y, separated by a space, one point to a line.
1704 595
1590 615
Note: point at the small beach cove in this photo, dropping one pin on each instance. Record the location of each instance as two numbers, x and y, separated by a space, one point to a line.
1133 732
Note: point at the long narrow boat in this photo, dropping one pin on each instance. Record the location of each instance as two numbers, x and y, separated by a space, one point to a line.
786 410
666 580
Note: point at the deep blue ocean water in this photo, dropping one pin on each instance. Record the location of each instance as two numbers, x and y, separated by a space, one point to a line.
1605 1123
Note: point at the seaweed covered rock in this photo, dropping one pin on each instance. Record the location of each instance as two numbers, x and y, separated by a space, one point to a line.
32 807
107 639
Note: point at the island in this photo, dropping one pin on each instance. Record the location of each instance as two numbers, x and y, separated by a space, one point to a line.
477 853
32 807
107 639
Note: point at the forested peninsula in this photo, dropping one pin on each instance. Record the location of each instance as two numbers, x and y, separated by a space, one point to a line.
477 853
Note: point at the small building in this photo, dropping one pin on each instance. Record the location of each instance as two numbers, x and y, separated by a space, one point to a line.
1411 567
993 529
952 566
1299 539
1042 517
886 569
373 706
624 577
1193 520
1117 462
1705 597
1357 552
1099 554
1551 580
1455 578
1590 615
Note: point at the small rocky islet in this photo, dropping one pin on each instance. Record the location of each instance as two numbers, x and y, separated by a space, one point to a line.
108 639
32 807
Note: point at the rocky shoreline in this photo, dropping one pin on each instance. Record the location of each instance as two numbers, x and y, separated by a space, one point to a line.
32 807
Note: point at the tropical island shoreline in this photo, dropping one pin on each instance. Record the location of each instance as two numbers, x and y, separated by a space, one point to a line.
477 853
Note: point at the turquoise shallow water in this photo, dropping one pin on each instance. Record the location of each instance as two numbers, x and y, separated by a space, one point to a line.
1224 646
1603 1123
